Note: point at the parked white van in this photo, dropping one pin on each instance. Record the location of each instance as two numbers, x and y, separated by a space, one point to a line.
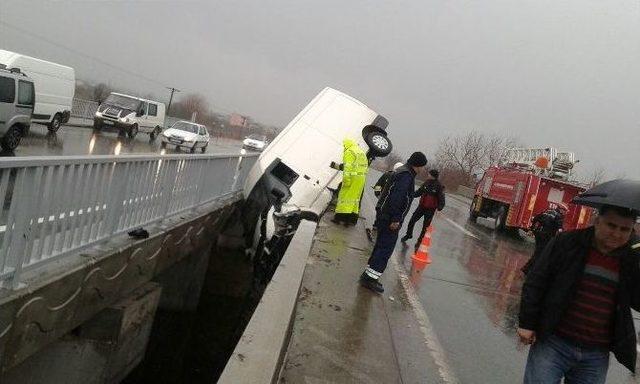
296 167
55 86
130 115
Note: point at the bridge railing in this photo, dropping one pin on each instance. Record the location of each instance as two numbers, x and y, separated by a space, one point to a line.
53 207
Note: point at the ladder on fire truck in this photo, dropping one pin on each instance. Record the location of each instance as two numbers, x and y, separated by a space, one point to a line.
558 165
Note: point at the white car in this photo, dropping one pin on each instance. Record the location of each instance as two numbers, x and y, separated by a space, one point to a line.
255 142
186 134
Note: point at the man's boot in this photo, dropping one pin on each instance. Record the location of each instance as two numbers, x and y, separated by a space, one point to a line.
371 283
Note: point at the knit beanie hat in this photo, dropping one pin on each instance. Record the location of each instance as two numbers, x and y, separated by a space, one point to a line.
417 159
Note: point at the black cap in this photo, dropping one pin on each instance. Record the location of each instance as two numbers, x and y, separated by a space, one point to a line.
434 173
417 159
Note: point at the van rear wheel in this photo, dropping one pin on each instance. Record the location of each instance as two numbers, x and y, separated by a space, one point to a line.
133 131
154 133
379 144
11 139
55 123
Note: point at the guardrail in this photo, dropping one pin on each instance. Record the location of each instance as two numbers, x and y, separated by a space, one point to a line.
83 108
54 206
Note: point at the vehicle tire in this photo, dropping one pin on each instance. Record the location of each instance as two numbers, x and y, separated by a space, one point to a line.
55 123
500 219
97 126
154 134
203 149
379 144
193 149
473 215
133 131
163 145
11 139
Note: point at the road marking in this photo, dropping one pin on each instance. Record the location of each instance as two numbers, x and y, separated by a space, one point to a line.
430 337
460 227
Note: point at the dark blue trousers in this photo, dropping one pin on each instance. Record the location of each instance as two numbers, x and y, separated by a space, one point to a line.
383 249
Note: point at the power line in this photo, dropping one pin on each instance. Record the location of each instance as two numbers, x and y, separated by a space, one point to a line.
105 63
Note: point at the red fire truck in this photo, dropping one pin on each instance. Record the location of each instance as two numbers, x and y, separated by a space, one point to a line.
527 182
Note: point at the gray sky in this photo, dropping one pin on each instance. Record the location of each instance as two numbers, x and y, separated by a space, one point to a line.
551 73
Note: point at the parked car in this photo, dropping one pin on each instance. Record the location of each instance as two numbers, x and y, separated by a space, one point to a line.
255 142
54 87
186 134
17 99
130 115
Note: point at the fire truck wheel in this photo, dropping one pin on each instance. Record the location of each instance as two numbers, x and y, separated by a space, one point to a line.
500 219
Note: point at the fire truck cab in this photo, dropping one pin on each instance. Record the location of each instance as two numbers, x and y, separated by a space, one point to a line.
526 183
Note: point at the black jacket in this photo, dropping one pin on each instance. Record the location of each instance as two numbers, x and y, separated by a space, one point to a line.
382 181
548 222
432 187
397 195
552 283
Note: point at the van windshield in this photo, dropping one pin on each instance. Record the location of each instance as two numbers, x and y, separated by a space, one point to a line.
185 127
123 102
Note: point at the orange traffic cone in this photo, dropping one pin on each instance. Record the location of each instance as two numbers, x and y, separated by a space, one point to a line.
421 258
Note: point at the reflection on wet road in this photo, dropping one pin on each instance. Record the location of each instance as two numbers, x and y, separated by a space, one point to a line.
471 293
69 141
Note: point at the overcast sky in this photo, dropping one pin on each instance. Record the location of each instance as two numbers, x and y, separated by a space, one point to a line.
552 73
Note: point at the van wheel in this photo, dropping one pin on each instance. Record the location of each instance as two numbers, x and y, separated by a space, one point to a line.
133 131
154 133
163 145
204 149
379 144
97 126
192 149
11 139
55 123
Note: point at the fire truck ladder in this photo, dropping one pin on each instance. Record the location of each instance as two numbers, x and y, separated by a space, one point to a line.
560 163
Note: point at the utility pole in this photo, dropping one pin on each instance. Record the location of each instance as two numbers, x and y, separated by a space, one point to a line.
171 98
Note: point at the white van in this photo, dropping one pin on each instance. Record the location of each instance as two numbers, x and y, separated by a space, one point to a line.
296 167
55 86
130 115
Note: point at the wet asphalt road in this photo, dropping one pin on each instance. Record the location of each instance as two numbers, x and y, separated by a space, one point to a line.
471 292
70 141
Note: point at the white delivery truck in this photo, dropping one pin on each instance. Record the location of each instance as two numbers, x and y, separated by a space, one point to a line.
294 172
54 85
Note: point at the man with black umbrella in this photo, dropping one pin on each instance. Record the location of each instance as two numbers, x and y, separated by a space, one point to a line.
576 299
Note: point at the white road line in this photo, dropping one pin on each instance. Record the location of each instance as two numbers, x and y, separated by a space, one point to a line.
460 228
430 337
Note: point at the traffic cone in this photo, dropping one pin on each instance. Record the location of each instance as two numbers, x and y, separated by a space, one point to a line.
421 258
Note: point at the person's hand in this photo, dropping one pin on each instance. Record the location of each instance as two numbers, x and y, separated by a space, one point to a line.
394 226
526 336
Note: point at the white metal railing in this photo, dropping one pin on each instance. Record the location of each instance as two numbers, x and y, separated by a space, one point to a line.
52 207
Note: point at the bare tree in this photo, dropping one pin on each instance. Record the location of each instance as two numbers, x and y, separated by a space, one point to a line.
100 92
596 176
195 103
467 154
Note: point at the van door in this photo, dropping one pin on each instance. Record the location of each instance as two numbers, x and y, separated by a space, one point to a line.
143 120
7 97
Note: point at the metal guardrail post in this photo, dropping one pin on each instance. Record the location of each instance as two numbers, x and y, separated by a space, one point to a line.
21 232
117 191
167 188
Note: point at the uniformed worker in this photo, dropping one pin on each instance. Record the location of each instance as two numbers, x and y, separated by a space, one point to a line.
355 166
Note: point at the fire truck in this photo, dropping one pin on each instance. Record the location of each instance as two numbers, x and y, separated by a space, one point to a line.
526 182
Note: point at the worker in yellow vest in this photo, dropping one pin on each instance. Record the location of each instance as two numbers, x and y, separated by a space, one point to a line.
355 166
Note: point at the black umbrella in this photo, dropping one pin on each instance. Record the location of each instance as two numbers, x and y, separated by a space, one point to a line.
620 193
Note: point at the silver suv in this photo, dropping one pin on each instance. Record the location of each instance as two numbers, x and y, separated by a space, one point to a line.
17 98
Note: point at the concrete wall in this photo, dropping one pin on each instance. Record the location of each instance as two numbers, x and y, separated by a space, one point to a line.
46 312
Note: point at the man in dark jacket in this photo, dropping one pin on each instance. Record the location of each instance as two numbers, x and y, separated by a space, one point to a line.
545 226
393 204
431 195
576 301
